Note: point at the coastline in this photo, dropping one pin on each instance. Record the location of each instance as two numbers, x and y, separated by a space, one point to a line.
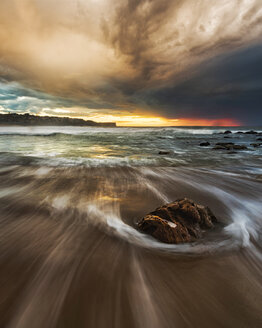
33 120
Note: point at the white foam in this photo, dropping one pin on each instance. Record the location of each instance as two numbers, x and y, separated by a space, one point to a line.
43 171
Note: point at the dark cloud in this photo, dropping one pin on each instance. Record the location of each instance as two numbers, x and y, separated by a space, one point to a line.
163 38
176 58
226 86
135 24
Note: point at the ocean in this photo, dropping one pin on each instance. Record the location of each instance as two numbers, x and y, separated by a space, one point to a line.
109 147
70 251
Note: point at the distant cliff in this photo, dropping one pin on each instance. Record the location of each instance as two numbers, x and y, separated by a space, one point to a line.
27 119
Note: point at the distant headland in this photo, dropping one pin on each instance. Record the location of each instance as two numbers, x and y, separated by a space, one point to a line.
32 120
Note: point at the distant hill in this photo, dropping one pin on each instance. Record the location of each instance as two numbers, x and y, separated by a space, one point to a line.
27 119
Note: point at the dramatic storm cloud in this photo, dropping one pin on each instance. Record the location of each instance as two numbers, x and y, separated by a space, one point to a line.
179 59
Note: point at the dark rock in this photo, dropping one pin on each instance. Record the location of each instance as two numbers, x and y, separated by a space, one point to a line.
179 222
251 132
228 146
225 144
239 147
163 152
226 137
204 144
259 139
239 132
255 145
219 148
227 132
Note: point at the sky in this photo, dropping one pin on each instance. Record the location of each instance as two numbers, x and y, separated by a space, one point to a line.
134 62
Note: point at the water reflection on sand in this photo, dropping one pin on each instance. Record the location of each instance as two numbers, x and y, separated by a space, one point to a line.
71 255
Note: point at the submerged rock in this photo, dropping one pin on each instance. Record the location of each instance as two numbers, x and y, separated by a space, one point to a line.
163 152
181 221
218 147
255 145
251 132
239 147
223 145
204 144
228 146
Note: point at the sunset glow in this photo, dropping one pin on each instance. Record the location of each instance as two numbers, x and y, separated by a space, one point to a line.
127 119
160 121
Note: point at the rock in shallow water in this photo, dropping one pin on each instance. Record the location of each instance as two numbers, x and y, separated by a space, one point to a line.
251 132
163 152
255 145
228 146
204 144
181 221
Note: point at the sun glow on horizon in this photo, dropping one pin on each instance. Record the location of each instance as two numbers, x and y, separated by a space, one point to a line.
136 120
161 121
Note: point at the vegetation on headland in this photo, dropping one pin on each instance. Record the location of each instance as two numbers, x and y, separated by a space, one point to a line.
27 119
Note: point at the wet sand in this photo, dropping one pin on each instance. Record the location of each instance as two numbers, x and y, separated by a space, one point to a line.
71 255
